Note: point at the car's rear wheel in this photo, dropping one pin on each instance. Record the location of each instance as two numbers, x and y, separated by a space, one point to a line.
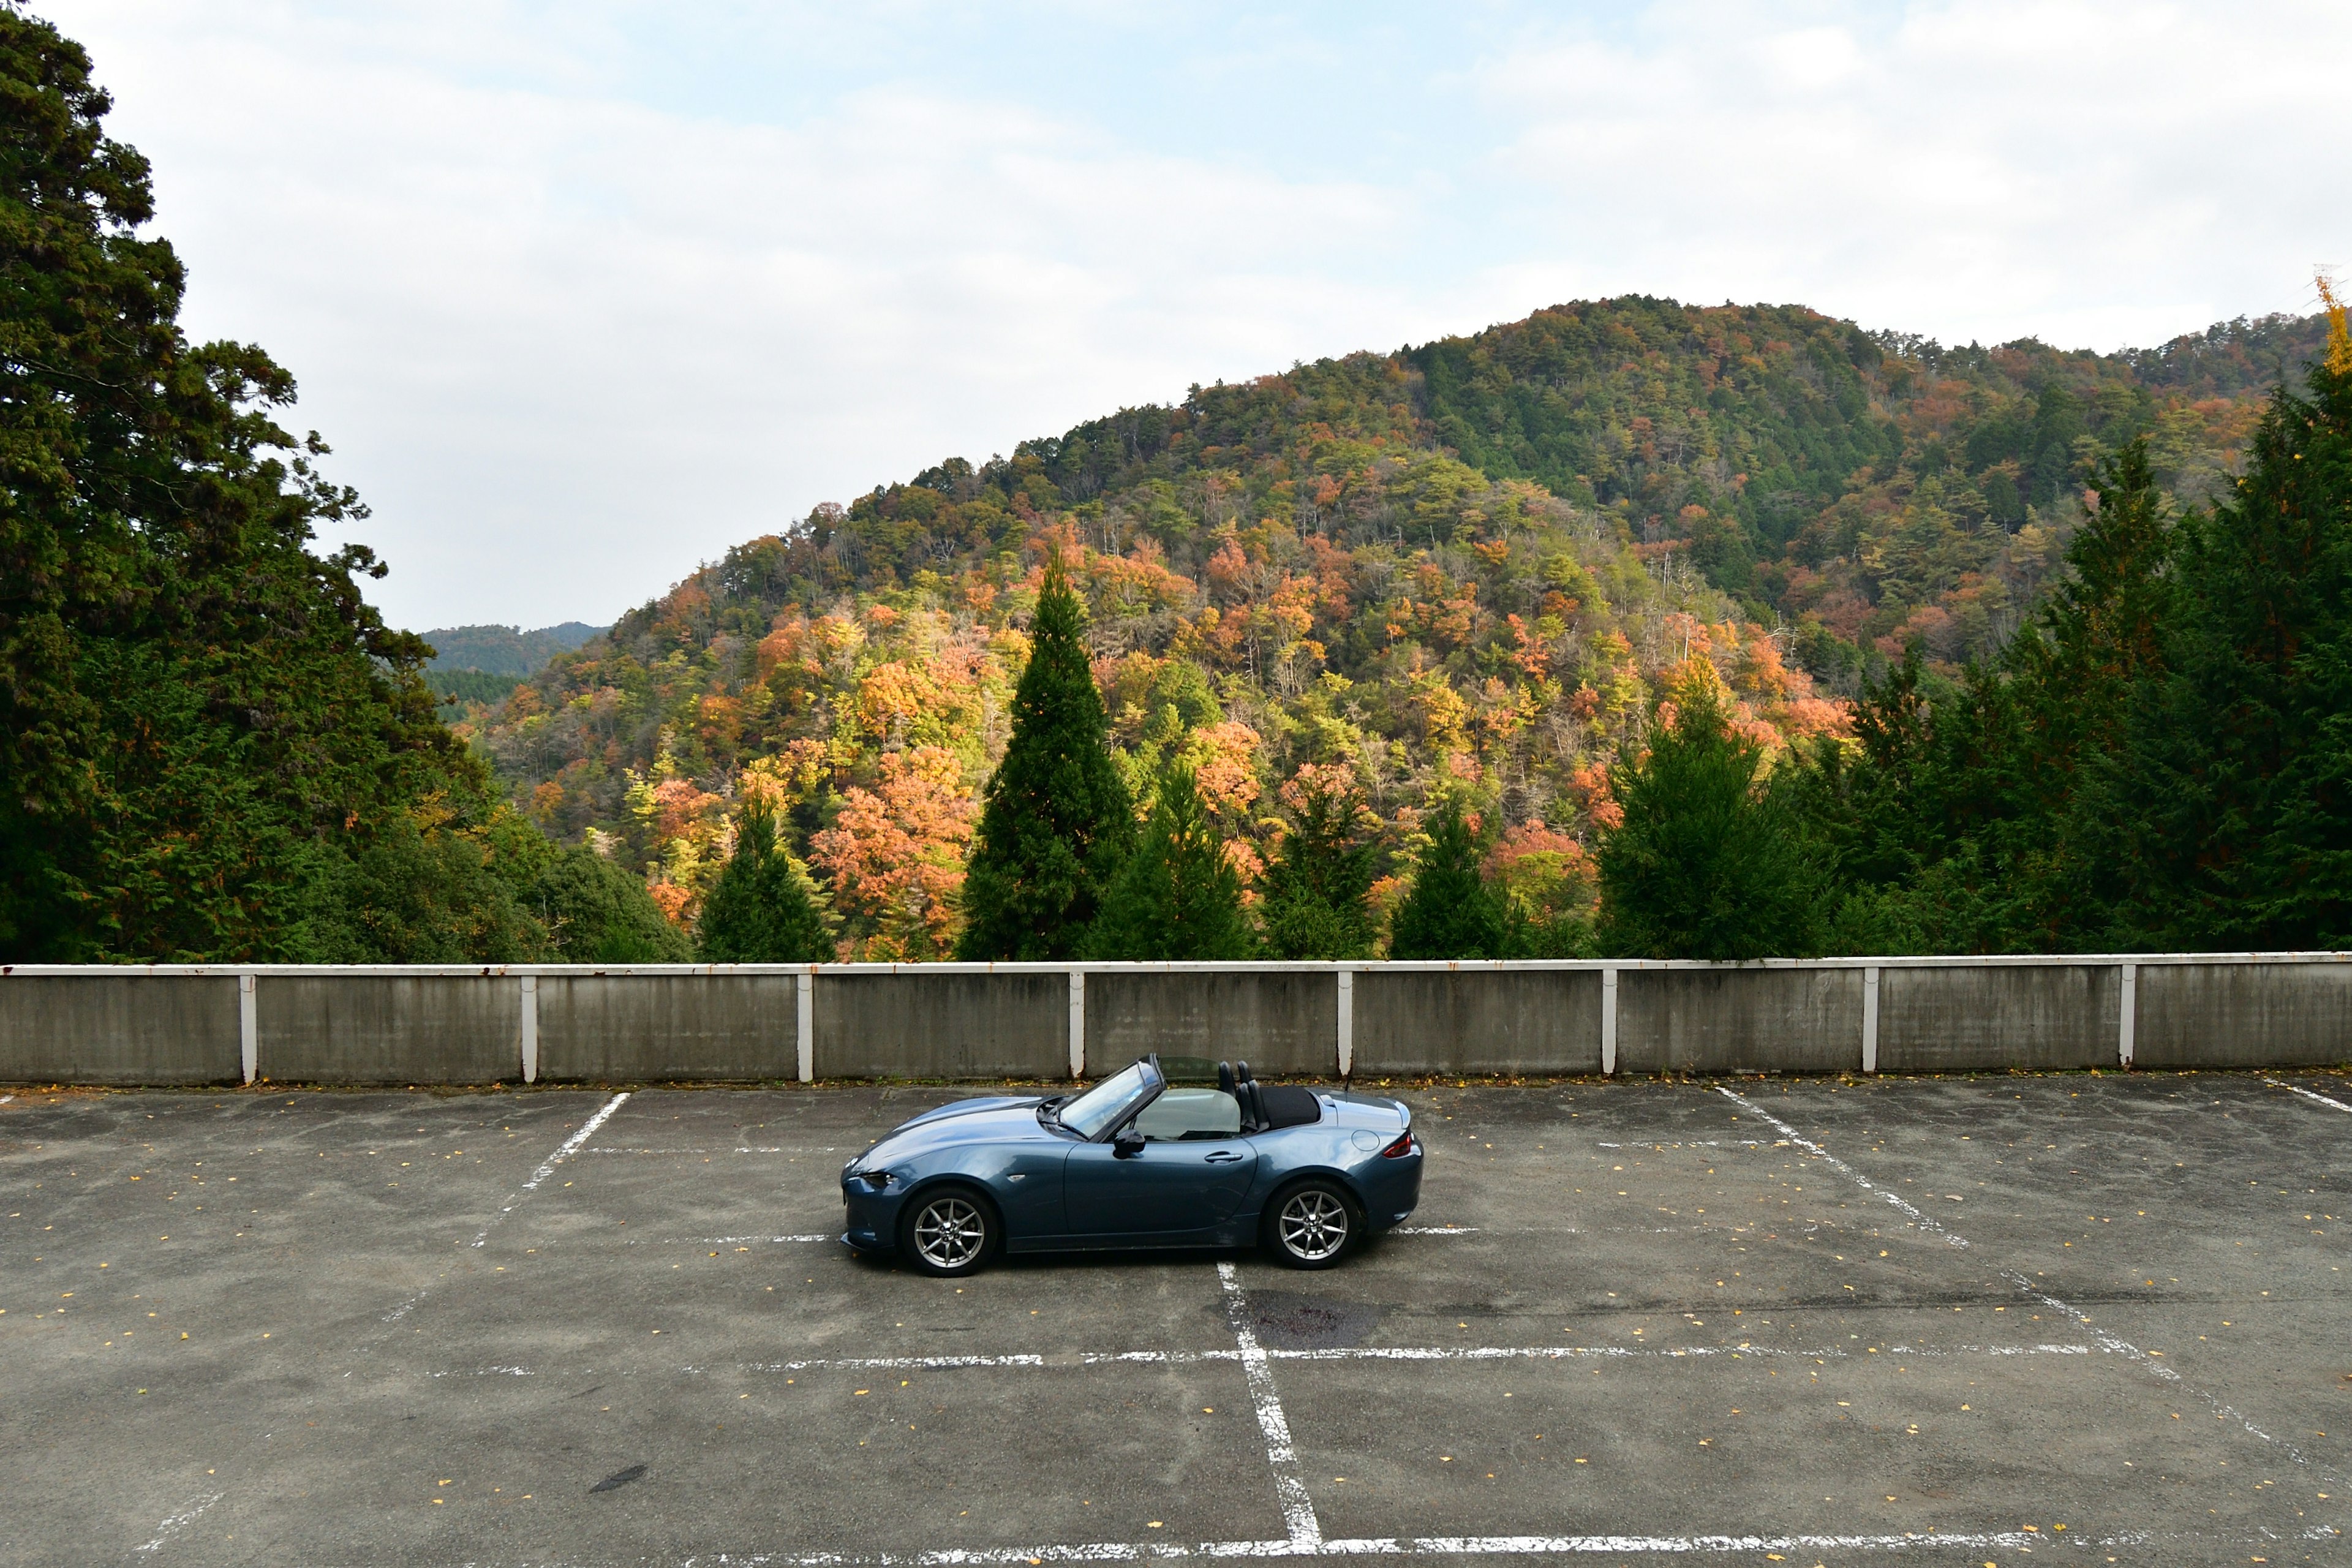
948 1232
1312 1224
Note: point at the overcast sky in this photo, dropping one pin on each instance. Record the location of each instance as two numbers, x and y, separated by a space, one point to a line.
582 293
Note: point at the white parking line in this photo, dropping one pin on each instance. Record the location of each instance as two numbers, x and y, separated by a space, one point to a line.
569 1146
2309 1094
1843 1168
743 1149
1298 1508
2105 1341
178 1523
1891 1354
743 1240
564 1152
1932 1540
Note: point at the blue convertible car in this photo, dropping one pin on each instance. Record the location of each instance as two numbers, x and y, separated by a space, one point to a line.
1137 1162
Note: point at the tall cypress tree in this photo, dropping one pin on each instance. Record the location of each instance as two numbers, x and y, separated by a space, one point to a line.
206 731
1451 912
1056 819
2234 788
763 910
1177 896
1316 889
1710 861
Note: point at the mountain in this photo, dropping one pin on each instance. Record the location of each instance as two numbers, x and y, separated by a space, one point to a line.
1472 567
505 650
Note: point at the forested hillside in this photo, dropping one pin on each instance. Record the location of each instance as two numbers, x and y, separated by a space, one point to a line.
1468 571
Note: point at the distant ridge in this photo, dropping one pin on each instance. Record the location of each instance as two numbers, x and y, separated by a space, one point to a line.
505 650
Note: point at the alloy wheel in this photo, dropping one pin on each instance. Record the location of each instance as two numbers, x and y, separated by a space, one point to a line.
951 1233
1314 1225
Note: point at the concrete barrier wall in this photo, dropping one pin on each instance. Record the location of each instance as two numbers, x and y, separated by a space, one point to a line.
2254 1015
388 1028
756 1023
709 1028
1963 1019
1476 1021
941 1025
122 1029
1280 1021
1740 1020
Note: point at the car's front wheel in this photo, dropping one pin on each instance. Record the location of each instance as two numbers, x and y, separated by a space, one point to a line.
948 1232
1312 1224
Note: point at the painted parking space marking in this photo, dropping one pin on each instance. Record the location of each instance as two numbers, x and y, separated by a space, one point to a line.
569 1146
1928 1541
2106 1342
741 1149
178 1523
1821 1354
2309 1094
564 1152
1298 1509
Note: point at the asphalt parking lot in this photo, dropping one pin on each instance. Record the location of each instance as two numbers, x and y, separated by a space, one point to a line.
2001 1320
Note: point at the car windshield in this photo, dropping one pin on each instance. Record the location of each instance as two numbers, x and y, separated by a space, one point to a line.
1109 1100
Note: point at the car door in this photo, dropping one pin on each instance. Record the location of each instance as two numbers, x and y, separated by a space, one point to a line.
1190 1174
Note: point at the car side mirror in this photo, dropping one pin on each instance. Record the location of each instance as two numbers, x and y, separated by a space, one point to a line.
1128 1144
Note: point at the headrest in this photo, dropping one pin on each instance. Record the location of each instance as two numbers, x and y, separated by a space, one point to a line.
1226 1080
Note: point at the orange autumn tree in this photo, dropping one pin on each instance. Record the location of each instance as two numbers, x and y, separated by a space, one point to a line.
896 855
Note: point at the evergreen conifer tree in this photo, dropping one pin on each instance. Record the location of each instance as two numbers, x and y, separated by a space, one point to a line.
1709 862
596 912
1315 892
1451 912
763 910
1176 895
1056 818
2234 788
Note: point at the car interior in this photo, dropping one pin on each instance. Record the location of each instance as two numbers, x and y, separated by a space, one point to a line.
1238 1106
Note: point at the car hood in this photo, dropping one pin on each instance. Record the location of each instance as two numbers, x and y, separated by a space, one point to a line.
992 1118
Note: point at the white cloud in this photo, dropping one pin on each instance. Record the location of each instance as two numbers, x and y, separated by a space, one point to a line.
570 335
567 345
2094 173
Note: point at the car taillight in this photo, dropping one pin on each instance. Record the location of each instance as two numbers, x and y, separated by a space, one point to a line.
1399 1148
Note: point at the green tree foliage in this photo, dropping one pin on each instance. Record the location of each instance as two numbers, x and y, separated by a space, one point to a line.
2162 761
206 736
2233 788
1712 859
1176 895
1056 818
1451 912
764 909
596 912
1317 890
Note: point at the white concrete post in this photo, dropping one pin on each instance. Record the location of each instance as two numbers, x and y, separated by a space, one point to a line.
1077 1023
1870 1017
248 1028
1609 1020
804 1022
2130 1019
531 1028
1346 1023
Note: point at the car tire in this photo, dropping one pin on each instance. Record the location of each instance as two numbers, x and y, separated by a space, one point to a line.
1311 1224
948 1232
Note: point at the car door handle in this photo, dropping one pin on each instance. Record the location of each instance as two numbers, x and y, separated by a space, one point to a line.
1222 1157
